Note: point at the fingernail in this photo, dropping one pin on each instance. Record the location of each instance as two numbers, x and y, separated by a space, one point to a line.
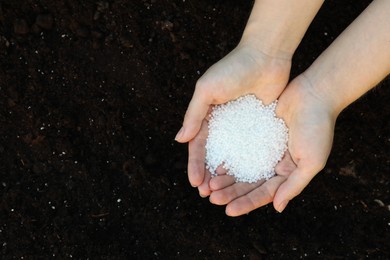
179 135
282 206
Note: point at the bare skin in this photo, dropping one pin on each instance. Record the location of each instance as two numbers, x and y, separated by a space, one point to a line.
356 62
259 65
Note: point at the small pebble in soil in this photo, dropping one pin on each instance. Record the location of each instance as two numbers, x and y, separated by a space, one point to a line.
246 138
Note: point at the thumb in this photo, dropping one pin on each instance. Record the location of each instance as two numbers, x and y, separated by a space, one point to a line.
196 112
291 188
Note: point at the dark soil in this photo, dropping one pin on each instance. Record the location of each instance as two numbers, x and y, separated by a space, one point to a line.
91 96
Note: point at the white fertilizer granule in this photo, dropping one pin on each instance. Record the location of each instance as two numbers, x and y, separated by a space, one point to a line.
247 138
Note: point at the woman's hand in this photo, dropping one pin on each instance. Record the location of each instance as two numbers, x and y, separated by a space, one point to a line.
311 126
246 70
260 65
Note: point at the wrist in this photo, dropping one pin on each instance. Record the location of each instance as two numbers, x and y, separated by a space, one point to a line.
322 90
267 42
276 27
300 94
273 70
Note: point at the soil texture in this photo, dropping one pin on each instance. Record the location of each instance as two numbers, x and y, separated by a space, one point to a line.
91 96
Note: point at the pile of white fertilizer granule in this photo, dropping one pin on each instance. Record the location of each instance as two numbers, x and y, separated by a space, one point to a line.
247 138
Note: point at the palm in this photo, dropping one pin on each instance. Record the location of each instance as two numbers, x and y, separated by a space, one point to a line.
242 198
243 71
310 139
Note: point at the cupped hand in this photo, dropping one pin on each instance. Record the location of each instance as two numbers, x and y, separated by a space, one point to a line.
246 70
311 125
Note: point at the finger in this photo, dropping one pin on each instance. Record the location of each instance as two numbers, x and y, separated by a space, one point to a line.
286 166
220 170
196 157
292 187
204 189
230 193
257 198
221 181
196 112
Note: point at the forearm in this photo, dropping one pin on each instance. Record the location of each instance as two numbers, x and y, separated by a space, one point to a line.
277 27
357 60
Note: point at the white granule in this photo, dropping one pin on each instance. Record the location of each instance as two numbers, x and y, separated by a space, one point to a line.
247 138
